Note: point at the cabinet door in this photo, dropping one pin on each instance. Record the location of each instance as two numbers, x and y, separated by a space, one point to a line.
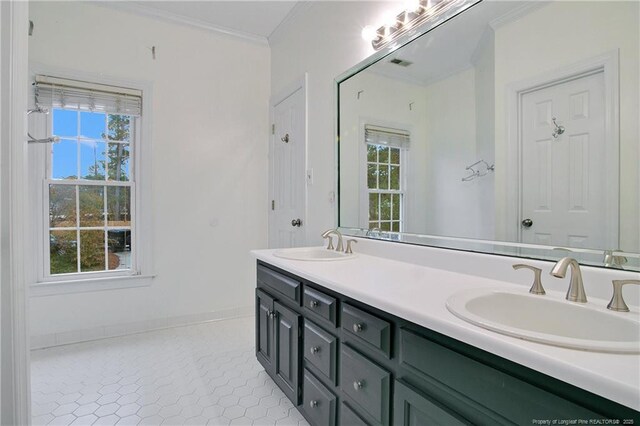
412 409
264 330
287 352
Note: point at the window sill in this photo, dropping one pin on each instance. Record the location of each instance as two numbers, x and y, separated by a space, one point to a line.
52 288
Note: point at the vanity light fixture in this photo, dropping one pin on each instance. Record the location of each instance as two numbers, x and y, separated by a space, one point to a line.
415 13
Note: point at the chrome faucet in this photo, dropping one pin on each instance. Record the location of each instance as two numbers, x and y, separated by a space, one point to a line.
576 288
328 233
536 287
613 259
617 302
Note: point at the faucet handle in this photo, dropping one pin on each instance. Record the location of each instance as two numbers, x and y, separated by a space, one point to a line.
617 301
348 249
330 245
536 287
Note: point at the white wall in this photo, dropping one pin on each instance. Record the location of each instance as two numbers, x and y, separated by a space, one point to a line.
324 39
483 61
383 102
209 159
595 28
451 123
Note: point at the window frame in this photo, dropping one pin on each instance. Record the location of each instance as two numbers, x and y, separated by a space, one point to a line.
141 272
401 192
404 171
131 183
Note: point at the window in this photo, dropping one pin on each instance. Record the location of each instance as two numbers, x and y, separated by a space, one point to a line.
90 181
385 184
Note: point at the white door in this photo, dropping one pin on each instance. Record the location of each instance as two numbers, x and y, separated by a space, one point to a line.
287 172
563 178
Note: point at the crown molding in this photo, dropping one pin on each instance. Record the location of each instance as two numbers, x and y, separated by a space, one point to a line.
517 13
151 12
297 10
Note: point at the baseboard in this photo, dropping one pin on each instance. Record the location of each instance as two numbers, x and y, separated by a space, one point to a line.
43 341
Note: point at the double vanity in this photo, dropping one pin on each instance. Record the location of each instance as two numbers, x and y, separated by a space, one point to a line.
509 140
362 339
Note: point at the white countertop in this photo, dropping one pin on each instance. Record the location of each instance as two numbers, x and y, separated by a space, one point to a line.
418 294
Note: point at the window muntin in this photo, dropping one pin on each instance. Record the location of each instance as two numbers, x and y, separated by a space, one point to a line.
90 188
384 187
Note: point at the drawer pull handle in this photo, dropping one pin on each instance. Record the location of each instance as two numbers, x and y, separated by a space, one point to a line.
357 385
314 350
358 327
314 304
313 403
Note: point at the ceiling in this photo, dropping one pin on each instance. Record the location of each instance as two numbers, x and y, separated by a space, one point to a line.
254 19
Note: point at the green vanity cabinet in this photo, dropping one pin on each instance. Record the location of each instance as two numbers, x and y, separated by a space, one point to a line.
264 329
319 404
278 334
287 342
342 362
366 384
414 408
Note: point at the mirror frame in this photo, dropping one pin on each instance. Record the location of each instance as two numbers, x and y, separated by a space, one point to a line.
589 257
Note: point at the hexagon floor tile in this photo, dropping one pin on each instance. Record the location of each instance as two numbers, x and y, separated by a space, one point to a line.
195 375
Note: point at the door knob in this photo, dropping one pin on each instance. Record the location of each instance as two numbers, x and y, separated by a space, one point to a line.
527 223
285 138
296 222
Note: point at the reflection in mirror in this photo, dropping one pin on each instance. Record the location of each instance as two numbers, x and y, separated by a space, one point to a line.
503 130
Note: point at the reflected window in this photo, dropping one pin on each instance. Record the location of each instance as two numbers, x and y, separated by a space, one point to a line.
386 150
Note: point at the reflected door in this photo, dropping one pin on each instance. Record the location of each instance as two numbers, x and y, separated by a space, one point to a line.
563 167
287 173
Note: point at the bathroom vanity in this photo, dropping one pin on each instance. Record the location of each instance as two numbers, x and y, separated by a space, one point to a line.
470 134
369 341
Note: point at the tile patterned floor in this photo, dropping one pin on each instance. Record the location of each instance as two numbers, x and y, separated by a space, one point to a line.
195 375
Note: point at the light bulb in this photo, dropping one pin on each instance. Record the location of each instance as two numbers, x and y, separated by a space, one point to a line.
411 5
390 20
369 33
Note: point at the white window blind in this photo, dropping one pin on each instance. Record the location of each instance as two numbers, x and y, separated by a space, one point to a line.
387 137
53 92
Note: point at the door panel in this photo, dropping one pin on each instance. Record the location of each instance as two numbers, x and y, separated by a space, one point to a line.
287 351
287 172
563 190
264 330
413 409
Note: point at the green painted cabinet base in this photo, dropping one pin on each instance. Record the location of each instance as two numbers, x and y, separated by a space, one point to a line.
412 408
383 370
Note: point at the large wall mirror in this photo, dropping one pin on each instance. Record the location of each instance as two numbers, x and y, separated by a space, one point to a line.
512 128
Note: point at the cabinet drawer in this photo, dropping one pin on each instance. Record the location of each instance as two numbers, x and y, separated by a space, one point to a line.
412 408
321 304
366 383
281 283
367 328
320 349
348 417
468 383
319 403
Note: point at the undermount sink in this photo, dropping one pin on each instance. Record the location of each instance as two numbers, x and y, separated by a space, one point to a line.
548 319
312 254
